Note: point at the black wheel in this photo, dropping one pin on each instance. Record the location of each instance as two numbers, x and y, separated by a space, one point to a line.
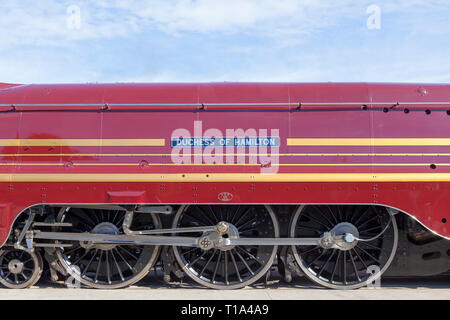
354 264
230 267
106 266
19 269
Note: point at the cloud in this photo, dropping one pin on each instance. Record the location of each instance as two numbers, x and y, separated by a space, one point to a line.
45 21
229 16
218 40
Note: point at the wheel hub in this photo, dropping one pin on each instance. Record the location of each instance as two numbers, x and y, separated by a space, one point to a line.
105 228
218 239
15 266
345 235
231 233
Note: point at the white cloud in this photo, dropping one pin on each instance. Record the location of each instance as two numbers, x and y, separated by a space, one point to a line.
45 21
36 44
208 16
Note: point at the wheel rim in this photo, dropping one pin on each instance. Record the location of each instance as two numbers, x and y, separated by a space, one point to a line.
107 266
353 266
234 267
19 268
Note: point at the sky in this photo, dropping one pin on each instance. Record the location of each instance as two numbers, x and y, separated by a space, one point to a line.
81 41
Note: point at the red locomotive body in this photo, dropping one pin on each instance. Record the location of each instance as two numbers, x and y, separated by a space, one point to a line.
228 144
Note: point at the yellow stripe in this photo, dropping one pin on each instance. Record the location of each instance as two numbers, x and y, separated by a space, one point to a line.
290 142
228 177
81 142
369 142
361 164
228 154
233 164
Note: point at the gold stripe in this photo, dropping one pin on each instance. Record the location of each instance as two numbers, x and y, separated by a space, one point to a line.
368 142
228 154
233 164
290 142
81 142
362 164
228 177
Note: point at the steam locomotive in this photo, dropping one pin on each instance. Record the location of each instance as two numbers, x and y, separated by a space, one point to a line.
338 182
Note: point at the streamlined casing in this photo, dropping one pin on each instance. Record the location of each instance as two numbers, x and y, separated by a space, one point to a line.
335 143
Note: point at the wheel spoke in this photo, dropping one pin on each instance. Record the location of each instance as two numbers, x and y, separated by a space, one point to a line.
368 254
202 223
326 263
98 266
246 223
80 258
345 266
235 266
207 263
225 263
332 214
242 216
361 216
354 266
124 260
213 214
371 245
217 267
317 221
207 218
108 271
309 250
247 230
335 266
87 223
249 254
362 261
331 224
309 228
339 214
367 221
316 259
115 217
120 222
189 251
89 263
191 264
126 250
373 228
235 213
244 262
92 216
